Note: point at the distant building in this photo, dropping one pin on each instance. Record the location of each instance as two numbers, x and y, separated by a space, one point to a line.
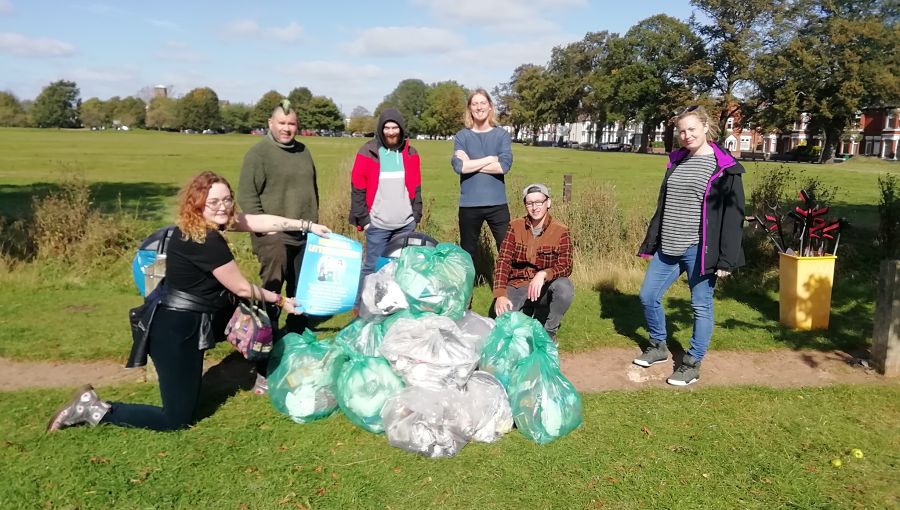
160 91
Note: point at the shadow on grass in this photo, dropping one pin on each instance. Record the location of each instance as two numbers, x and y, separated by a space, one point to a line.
223 381
850 323
143 200
627 315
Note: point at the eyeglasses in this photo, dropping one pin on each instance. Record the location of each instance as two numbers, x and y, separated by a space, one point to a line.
215 203
536 203
689 109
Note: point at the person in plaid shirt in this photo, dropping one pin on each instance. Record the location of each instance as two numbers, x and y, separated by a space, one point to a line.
534 263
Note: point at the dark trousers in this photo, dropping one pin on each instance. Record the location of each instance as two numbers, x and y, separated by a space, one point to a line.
556 298
470 220
279 266
174 338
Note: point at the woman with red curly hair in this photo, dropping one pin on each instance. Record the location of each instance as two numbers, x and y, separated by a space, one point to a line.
202 274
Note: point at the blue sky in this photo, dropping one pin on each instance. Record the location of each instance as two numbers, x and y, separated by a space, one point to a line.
354 52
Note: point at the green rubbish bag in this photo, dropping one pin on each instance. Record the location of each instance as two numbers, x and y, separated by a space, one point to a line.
545 405
438 279
363 385
302 373
514 337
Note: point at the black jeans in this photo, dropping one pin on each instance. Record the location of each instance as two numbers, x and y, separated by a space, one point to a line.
179 363
470 220
279 266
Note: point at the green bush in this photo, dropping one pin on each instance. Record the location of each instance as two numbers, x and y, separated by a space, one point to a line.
889 217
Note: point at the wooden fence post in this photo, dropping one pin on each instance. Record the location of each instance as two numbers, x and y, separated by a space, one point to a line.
886 334
567 188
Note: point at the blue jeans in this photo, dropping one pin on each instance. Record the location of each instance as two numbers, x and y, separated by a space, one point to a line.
377 240
661 274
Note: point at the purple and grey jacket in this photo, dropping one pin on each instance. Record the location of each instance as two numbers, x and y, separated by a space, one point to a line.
722 214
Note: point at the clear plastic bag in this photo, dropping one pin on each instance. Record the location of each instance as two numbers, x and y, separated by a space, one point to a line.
438 279
302 373
430 351
381 295
488 407
515 336
433 423
478 326
363 386
545 405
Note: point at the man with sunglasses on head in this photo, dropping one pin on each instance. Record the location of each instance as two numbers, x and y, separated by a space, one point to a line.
534 262
279 177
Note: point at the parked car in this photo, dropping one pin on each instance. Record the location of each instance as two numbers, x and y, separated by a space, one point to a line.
610 146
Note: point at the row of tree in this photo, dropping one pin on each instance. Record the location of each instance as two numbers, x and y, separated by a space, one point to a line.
59 105
433 110
765 61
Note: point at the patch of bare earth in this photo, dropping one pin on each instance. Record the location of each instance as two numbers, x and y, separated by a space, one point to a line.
593 371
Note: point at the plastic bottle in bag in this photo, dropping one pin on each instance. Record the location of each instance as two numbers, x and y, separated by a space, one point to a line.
302 373
545 405
433 423
363 386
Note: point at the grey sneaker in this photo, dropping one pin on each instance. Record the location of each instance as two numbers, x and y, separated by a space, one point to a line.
653 354
84 407
687 373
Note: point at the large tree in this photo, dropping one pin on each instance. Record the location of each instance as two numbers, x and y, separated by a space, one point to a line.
657 68
93 113
57 105
11 111
322 114
411 99
300 97
580 85
361 121
446 109
236 117
834 58
131 112
528 98
735 36
263 108
199 110
162 113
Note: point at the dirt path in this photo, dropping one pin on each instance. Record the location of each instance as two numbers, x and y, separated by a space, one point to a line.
593 371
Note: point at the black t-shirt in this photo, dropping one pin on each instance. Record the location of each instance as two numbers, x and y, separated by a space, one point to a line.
189 264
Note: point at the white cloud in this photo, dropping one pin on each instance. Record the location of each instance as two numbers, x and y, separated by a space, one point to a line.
105 75
19 45
165 24
240 29
176 51
332 70
292 32
399 41
249 29
512 16
6 8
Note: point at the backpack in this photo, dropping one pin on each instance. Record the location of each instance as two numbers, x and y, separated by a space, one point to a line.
148 267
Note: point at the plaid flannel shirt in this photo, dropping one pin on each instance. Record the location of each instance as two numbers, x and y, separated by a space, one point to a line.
522 254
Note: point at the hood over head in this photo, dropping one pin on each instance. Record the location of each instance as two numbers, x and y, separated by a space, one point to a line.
390 115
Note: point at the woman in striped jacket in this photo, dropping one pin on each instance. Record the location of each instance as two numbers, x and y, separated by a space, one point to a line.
696 230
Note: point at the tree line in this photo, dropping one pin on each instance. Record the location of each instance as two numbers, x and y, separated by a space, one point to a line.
765 61
59 106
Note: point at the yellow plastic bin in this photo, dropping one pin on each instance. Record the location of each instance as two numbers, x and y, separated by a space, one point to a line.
804 288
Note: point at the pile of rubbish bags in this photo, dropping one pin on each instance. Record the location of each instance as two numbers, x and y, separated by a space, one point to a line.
421 368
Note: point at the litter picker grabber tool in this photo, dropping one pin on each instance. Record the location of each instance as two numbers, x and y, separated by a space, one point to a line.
768 232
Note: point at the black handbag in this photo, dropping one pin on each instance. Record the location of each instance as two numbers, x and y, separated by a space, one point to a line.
141 318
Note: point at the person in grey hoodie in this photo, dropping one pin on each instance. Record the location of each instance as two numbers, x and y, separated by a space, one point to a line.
386 188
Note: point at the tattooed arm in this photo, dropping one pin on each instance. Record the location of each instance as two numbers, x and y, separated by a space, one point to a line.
272 223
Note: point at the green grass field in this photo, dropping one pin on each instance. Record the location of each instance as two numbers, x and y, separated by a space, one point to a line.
138 174
748 448
709 447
